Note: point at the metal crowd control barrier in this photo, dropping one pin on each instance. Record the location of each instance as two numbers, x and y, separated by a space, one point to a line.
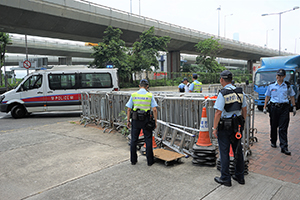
175 137
86 111
249 130
179 113
214 88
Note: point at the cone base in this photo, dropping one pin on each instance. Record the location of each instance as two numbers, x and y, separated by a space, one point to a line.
204 148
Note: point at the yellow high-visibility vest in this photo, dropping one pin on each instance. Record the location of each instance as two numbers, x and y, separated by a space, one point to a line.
197 87
141 101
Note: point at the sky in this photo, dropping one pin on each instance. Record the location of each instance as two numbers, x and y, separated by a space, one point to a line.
246 19
202 15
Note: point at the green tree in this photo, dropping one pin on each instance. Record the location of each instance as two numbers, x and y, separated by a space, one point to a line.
145 52
191 68
208 50
4 40
112 49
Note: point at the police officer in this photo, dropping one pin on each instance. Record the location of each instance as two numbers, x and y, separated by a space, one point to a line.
230 105
141 103
195 86
181 87
279 106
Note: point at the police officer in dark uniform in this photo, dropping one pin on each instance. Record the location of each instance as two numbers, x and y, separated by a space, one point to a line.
279 106
231 110
139 107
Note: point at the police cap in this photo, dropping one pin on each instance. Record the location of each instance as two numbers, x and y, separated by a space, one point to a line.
281 72
144 82
226 74
195 76
185 79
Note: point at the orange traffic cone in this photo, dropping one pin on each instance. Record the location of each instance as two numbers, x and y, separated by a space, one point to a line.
231 151
204 139
141 133
154 145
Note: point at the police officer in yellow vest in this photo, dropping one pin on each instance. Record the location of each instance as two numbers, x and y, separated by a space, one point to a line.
195 86
139 106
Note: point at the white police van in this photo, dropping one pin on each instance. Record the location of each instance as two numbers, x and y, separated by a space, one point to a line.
56 89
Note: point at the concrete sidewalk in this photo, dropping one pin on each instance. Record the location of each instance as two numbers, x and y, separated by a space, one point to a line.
69 161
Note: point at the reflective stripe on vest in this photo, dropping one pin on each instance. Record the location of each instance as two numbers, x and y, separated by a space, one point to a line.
197 87
141 101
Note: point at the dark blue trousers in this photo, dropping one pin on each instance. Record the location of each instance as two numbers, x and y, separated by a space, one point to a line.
224 147
135 132
279 119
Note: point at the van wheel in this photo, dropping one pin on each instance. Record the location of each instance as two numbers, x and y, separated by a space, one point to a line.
18 111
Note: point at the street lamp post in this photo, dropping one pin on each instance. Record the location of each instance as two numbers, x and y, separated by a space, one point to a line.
280 13
130 6
140 7
219 9
267 36
225 24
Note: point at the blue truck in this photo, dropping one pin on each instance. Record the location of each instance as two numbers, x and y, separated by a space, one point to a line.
266 74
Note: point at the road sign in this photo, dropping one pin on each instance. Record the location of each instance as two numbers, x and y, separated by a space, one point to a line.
27 64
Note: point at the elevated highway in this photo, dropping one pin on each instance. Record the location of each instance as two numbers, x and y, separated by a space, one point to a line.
48 47
85 21
79 54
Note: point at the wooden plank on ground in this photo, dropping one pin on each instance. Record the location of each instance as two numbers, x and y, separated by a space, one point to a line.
166 155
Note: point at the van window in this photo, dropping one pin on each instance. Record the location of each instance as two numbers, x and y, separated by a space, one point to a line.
82 80
95 80
62 81
33 82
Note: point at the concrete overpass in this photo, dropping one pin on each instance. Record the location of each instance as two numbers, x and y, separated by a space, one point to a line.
77 53
48 47
13 60
85 21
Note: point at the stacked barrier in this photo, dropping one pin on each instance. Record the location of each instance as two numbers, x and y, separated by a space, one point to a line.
179 116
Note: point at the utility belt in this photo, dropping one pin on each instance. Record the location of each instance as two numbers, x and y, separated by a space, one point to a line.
234 124
279 105
140 115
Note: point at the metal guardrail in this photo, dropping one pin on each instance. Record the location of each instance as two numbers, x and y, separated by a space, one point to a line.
179 116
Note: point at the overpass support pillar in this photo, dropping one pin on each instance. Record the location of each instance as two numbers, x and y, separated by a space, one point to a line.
65 60
173 63
250 66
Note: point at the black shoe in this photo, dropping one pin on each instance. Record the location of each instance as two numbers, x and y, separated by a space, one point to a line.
273 145
286 152
240 181
133 163
150 164
220 181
